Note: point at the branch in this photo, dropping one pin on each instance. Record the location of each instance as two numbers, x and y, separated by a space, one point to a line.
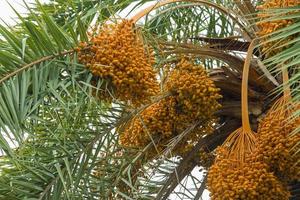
48 188
201 189
234 16
227 44
34 63
233 61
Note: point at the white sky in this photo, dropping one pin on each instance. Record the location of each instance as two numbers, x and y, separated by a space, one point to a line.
8 16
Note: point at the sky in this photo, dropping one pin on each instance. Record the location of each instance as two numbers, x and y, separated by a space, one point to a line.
6 12
7 16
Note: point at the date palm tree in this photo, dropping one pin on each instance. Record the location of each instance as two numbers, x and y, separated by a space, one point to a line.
60 141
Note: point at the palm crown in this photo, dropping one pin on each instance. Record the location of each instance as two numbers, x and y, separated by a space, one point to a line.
74 126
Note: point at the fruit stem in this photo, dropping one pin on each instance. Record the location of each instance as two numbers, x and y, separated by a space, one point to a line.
234 16
244 98
285 82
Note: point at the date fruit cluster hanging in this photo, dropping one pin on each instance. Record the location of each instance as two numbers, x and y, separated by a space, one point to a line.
118 55
267 25
193 97
277 145
231 179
